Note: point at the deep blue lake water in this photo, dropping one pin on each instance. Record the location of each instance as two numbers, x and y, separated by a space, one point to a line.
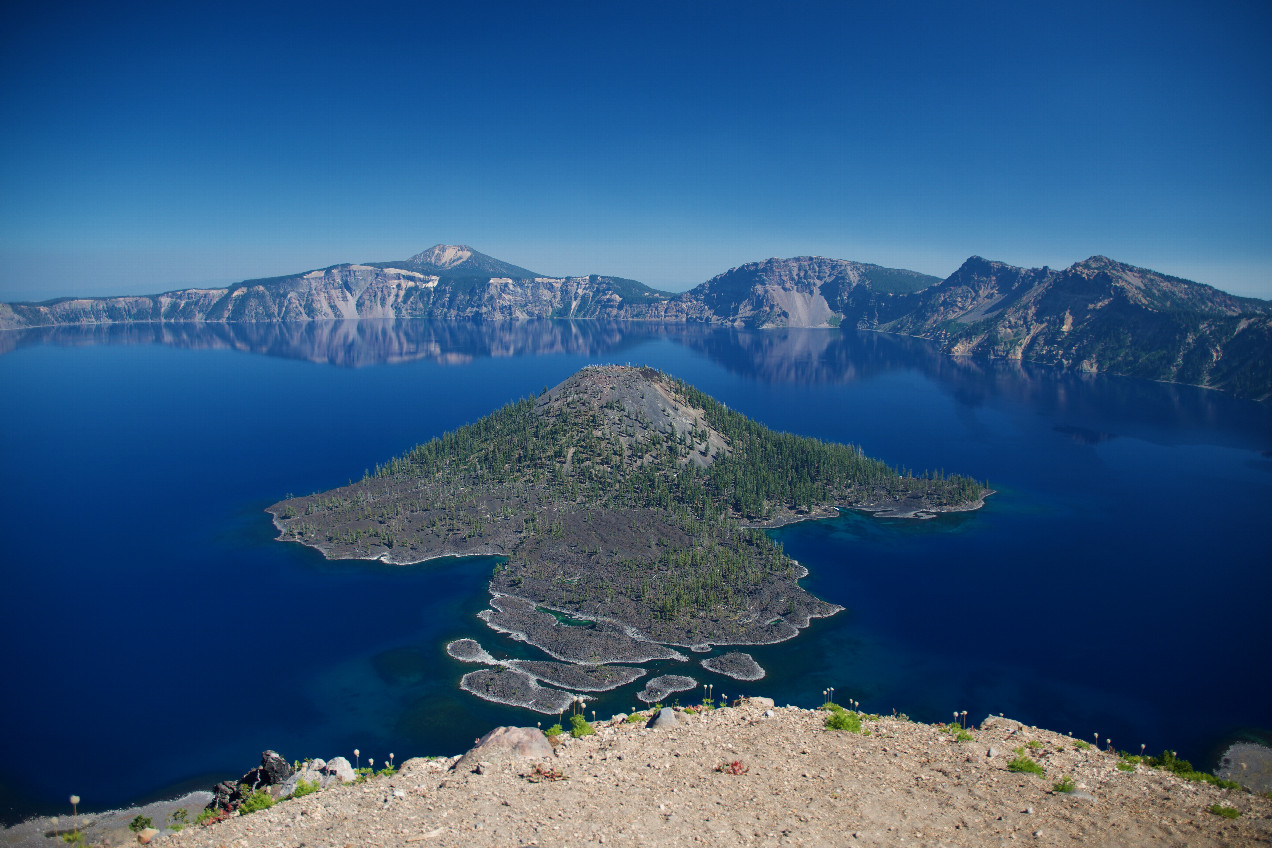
156 637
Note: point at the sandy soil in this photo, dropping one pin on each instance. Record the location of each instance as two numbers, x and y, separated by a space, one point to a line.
902 784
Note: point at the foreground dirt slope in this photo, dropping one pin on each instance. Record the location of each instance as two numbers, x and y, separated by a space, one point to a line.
903 784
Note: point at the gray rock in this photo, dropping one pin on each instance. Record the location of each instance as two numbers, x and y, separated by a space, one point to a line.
1085 796
992 752
769 713
504 744
666 717
761 702
340 769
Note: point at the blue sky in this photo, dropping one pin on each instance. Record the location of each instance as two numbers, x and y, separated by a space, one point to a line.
149 148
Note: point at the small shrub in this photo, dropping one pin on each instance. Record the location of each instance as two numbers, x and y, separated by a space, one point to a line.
1033 744
1123 765
734 767
541 773
1082 745
180 816
140 823
1019 749
579 727
555 730
207 817
831 707
257 801
843 720
387 771
631 719
1226 812
305 787
1065 784
73 838
1026 765
691 711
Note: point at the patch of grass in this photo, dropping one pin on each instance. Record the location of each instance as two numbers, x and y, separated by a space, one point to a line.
305 787
1082 745
140 823
1123 765
1026 766
257 801
631 719
1033 744
841 719
1167 761
74 837
579 727
1064 784
1226 812
387 771
1019 749
959 732
556 730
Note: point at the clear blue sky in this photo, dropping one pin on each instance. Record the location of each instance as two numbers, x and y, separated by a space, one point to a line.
143 149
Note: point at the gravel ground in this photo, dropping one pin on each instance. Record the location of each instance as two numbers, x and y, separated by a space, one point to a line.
902 784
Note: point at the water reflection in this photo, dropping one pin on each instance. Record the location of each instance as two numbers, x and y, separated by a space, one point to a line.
1083 404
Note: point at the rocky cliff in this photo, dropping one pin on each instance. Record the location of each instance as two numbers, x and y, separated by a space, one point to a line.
1097 315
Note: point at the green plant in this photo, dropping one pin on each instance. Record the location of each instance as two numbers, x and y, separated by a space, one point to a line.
305 787
841 719
635 717
1019 749
180 816
73 838
140 823
1168 761
1123 765
1226 812
1026 765
388 771
555 730
1033 744
541 773
207 817
1082 745
691 711
734 767
1064 784
579 727
831 706
257 801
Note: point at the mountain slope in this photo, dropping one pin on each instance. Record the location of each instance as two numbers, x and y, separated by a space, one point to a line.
445 281
1097 315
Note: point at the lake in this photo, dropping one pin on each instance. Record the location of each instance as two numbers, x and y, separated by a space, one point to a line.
157 638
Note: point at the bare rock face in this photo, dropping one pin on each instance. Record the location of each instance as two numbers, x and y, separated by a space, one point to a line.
504 744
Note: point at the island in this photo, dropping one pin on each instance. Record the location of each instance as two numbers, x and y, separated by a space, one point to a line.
629 509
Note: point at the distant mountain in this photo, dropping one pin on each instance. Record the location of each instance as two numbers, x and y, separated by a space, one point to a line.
446 282
460 260
807 291
1097 315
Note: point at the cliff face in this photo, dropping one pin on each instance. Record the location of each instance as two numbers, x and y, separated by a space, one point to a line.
1097 315
351 292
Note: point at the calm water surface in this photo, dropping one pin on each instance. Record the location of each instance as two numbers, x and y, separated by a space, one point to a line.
157 637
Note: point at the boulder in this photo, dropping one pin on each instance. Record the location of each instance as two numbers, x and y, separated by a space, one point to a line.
273 771
760 702
666 717
504 744
146 836
339 768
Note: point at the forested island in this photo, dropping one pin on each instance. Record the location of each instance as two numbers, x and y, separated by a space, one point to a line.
623 499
